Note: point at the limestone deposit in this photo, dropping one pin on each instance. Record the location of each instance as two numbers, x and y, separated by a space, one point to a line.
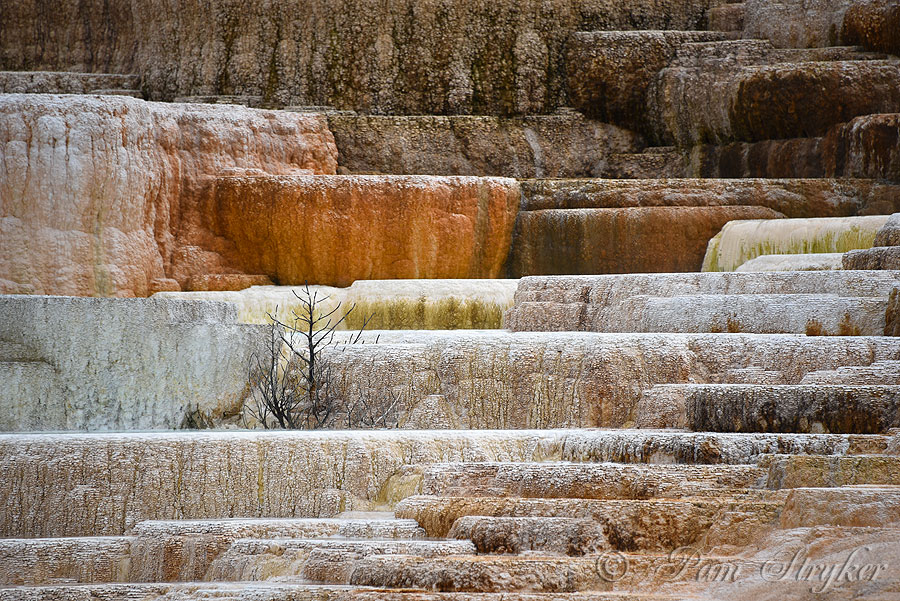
387 304
102 196
690 392
799 262
741 241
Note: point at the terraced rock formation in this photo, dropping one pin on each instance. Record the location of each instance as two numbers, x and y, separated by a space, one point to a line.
632 272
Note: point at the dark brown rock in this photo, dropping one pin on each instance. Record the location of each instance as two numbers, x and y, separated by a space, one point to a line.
633 240
792 197
802 408
874 25
609 71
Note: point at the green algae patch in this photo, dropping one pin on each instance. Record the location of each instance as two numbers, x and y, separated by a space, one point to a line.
741 241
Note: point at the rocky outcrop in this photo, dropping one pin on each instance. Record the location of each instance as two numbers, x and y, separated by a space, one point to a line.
792 197
796 23
335 230
716 93
885 251
566 145
873 24
112 364
609 71
404 58
867 146
630 240
741 241
103 195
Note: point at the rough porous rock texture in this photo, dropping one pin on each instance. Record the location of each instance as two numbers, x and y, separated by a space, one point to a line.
792 197
108 483
865 147
404 57
630 240
764 408
335 230
885 251
569 379
108 364
594 303
882 257
103 195
714 100
566 145
796 23
740 241
874 25
609 71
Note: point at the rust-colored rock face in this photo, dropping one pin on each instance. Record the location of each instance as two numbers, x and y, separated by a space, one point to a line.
867 146
334 230
874 25
101 196
632 240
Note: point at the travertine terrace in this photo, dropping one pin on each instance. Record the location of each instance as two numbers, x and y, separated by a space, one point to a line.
629 272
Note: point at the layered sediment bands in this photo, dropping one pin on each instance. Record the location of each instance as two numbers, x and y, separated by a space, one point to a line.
874 25
633 240
810 262
566 145
404 58
796 23
586 480
103 195
803 408
792 197
868 146
569 303
387 304
544 380
740 241
122 363
882 372
796 471
726 98
609 71
184 550
107 483
335 230
647 524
